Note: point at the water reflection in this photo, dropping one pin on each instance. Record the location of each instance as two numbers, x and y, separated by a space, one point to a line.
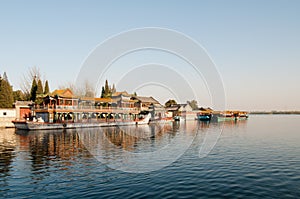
262 161
136 148
139 148
7 148
129 138
41 148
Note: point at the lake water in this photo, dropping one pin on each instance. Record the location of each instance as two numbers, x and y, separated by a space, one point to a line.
256 158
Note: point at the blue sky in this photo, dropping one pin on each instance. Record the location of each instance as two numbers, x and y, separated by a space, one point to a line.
254 44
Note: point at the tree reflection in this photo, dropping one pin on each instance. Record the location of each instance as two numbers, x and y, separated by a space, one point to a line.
7 154
7 148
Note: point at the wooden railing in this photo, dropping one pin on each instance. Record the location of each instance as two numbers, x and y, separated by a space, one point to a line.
84 108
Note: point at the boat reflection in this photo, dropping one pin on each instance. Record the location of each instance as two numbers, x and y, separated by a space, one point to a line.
42 148
139 149
129 138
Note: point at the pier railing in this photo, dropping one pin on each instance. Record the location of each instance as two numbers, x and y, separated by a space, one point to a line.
85 108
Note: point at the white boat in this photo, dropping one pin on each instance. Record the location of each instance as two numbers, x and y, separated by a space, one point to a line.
40 125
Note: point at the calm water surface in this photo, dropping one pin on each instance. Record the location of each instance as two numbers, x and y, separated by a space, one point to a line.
256 158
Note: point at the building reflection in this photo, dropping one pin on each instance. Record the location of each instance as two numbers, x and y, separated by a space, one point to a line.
110 142
42 148
45 146
126 138
231 123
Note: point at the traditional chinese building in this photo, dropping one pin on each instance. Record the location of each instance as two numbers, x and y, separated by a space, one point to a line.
64 106
150 104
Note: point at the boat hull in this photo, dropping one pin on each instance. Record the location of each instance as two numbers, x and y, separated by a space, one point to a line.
29 125
223 119
204 117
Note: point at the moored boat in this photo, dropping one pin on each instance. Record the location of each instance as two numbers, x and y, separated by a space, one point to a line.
161 120
63 110
204 116
230 116
41 125
243 115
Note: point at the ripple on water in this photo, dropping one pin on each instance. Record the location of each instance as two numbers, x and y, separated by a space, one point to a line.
259 159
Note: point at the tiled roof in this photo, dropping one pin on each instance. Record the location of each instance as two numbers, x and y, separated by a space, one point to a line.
23 103
87 98
205 109
107 100
146 99
124 93
65 93
97 99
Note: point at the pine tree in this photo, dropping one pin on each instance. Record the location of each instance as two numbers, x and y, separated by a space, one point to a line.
6 94
18 95
46 90
33 90
102 92
39 89
106 89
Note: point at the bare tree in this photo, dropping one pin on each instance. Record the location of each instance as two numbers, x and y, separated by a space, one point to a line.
66 85
33 72
86 90
89 89
193 104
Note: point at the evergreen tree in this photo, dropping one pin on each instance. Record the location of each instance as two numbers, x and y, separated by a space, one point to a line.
33 90
6 94
170 102
106 89
18 95
46 90
102 92
134 94
39 89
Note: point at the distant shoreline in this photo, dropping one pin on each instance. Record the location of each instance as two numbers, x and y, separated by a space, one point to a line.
274 112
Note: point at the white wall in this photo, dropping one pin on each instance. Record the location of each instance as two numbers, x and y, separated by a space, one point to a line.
6 116
6 113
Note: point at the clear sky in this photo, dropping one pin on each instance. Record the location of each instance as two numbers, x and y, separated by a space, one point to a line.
254 44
